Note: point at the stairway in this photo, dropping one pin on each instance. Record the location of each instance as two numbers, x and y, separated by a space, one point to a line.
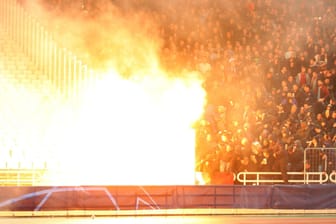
26 100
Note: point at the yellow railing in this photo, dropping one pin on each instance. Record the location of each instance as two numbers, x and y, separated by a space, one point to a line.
58 64
20 177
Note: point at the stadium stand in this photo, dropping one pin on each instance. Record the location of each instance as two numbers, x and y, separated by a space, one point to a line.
270 76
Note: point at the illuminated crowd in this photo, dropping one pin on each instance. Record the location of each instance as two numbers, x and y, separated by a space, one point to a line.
269 70
271 91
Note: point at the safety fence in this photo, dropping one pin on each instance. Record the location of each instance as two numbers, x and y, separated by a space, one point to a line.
257 178
319 167
322 160
57 64
20 177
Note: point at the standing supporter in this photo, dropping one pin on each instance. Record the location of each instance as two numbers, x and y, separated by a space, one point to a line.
314 82
322 96
295 157
303 132
280 160
267 162
247 164
332 121
302 78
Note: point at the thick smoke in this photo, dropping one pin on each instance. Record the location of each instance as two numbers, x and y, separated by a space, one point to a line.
134 36
129 35
103 34
137 35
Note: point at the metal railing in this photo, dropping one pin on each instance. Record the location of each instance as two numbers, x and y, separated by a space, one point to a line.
320 160
58 65
258 178
332 177
319 167
20 177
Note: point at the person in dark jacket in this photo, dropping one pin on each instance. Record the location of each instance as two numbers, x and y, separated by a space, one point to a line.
280 161
295 157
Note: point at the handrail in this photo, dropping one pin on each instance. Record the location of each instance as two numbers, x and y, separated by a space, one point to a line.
255 177
19 177
332 177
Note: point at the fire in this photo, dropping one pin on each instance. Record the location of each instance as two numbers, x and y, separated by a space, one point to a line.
132 123
132 131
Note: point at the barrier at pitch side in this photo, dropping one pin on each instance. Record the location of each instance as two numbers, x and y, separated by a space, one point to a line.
118 198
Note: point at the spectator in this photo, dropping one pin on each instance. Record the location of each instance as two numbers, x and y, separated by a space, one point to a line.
295 157
302 78
280 161
267 162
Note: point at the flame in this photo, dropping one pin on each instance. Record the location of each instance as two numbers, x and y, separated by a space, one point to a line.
132 123
135 131
118 132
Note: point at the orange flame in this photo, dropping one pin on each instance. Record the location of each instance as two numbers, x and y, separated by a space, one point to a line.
133 125
135 131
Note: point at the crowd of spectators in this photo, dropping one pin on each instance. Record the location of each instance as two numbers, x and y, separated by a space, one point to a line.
271 91
269 70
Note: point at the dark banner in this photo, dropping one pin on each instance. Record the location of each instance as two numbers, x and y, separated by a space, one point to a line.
166 197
